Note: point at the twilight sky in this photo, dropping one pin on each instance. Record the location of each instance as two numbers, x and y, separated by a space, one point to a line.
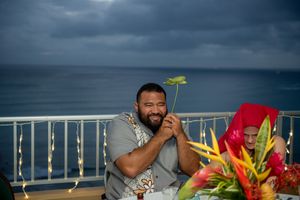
162 33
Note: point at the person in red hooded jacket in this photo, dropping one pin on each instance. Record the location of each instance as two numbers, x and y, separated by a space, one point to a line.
244 128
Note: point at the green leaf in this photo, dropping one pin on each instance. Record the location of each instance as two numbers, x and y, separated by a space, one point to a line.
187 191
169 82
177 80
262 140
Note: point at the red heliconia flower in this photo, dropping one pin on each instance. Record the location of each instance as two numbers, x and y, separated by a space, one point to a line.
241 176
255 192
275 162
201 177
236 141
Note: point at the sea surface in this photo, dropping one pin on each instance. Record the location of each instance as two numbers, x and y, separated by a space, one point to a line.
33 90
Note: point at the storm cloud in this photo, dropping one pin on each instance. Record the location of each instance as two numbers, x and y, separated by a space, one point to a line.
193 33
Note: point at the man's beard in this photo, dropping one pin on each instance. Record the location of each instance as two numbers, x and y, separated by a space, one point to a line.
145 119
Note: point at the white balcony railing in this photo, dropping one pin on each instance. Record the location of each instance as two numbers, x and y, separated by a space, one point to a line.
47 144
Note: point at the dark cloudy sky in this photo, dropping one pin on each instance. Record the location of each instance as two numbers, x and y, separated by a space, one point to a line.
183 33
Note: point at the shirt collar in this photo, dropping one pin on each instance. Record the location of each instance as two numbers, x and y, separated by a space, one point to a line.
142 125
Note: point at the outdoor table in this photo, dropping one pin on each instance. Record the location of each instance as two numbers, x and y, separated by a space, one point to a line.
171 193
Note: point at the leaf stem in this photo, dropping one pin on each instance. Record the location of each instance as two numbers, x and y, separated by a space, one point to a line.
175 98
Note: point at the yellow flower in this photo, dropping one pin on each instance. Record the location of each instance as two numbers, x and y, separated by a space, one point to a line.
216 156
242 178
267 192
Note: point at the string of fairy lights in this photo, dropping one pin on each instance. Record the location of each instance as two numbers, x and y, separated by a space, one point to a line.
202 136
104 143
226 121
21 162
80 161
51 149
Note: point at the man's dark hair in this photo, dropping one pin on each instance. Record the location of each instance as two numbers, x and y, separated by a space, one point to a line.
150 87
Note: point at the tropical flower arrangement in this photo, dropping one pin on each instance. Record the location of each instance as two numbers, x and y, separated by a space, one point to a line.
289 180
242 177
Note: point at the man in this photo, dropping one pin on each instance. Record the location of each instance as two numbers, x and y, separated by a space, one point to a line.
147 147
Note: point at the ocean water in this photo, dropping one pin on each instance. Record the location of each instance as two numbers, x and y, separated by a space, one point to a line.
87 90
70 90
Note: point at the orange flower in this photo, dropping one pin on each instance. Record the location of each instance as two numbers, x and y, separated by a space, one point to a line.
267 192
240 172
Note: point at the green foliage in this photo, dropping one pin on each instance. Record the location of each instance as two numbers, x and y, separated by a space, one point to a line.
177 80
262 142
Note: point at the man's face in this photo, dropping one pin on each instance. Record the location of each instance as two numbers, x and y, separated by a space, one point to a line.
250 134
151 109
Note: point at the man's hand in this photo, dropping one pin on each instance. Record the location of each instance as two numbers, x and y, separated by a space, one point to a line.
137 161
176 125
188 159
166 131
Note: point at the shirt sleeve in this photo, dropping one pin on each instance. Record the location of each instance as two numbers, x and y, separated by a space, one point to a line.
121 138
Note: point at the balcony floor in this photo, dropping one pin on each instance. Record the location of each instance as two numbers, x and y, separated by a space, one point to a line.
88 193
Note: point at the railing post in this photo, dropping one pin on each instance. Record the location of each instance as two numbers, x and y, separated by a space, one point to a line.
82 144
104 143
227 122
201 130
279 126
32 150
214 125
66 149
97 147
15 151
49 148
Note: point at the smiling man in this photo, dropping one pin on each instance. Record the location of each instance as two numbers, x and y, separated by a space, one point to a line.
147 148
